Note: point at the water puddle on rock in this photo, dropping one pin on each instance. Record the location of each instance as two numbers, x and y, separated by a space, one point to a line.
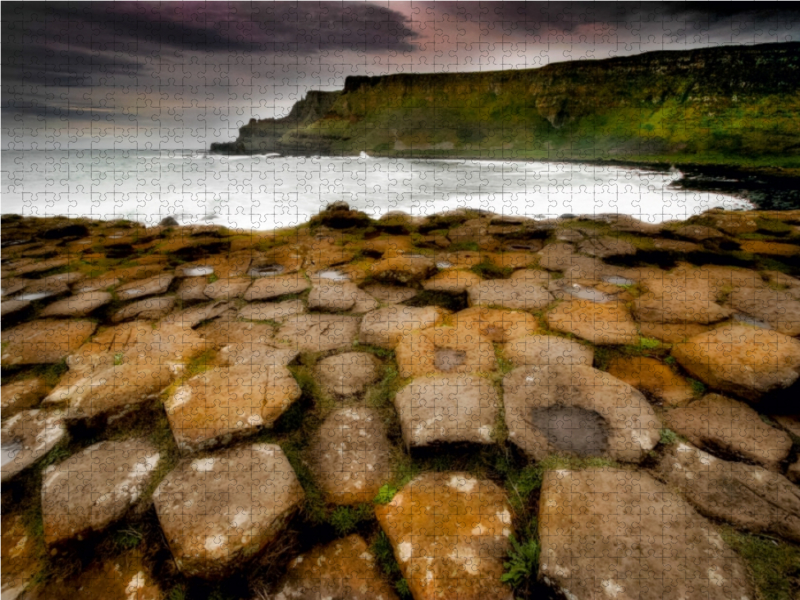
443 264
9 452
616 280
332 275
198 271
586 293
33 296
447 359
748 320
572 429
266 271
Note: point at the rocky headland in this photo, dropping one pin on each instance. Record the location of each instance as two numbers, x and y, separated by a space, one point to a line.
466 405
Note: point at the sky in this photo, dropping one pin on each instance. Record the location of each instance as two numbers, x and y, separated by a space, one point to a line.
180 75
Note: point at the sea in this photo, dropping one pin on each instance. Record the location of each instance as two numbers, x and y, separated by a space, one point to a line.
270 191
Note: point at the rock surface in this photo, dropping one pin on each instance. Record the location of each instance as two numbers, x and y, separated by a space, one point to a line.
217 512
78 305
498 325
652 377
547 350
266 288
777 308
22 395
318 333
384 327
151 286
272 311
592 524
450 534
349 373
600 323
443 349
44 341
517 294
20 557
27 437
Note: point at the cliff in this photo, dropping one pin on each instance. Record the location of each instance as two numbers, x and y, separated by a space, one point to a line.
729 105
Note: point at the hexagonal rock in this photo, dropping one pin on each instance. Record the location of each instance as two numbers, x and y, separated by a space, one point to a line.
44 341
577 410
20 556
454 282
272 311
592 528
600 323
450 534
671 332
22 395
78 305
750 497
151 286
217 512
27 437
496 324
193 316
653 377
192 289
447 408
603 247
777 308
384 327
349 373
214 406
403 269
730 426
149 309
547 350
350 455
742 360
557 257
345 568
444 350
265 288
227 288
318 333
390 294
95 487
332 295
518 294
669 309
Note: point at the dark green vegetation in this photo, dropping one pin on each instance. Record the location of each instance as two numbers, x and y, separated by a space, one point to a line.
734 106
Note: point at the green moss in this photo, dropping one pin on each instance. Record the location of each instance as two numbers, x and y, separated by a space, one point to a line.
385 494
462 246
668 437
522 566
774 564
698 387
489 270
345 519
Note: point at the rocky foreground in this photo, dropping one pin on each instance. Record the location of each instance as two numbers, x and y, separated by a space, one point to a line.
461 406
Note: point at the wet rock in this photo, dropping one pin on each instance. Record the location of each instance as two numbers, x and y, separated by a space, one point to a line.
350 455
349 373
777 308
22 395
318 333
731 427
44 341
498 325
345 568
272 311
390 294
750 497
152 286
219 511
444 350
149 309
384 327
332 296
227 289
606 323
592 524
446 409
517 294
653 377
403 269
452 281
450 534
741 360
78 305
27 437
577 410
603 247
92 489
272 287
547 350
20 556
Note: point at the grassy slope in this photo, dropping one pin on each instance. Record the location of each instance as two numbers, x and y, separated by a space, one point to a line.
732 106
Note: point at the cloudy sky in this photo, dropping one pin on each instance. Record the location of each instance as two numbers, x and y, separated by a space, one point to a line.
183 74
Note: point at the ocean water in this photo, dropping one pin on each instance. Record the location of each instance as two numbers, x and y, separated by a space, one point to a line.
270 191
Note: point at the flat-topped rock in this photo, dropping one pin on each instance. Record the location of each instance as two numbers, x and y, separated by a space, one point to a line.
547 350
95 487
498 325
213 407
603 247
217 512
447 408
732 427
318 333
577 410
668 308
750 497
452 281
193 316
592 524
78 305
390 294
225 332
557 257
42 265
44 341
698 233
149 309
350 455
742 360
332 296
443 349
27 437
384 327
403 269
9 307
671 332
192 289
152 286
265 288
22 395
606 323
779 309
272 311
349 373
652 377
450 534
227 288
518 294
344 568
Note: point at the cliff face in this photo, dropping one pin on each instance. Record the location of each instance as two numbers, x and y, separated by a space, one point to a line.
730 105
